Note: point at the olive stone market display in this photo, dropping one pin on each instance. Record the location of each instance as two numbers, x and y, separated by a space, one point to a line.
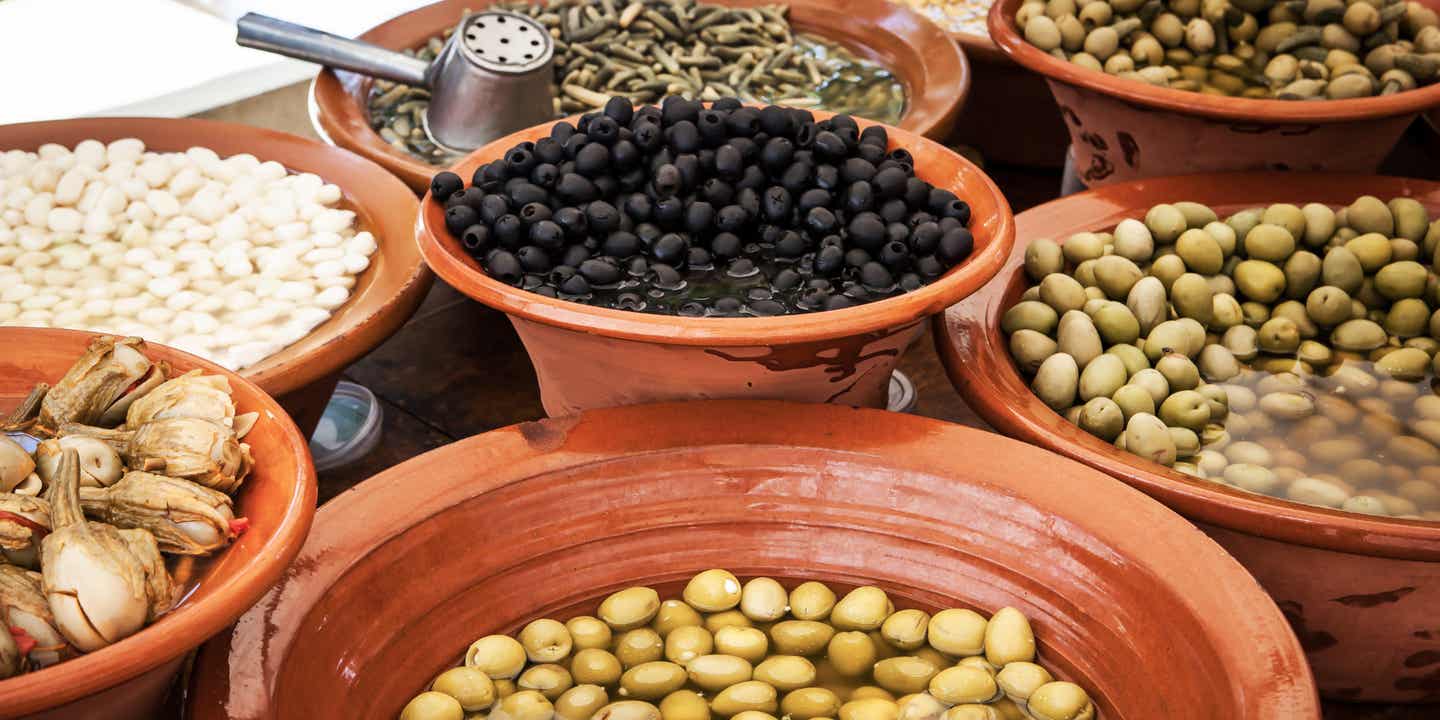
719 210
756 650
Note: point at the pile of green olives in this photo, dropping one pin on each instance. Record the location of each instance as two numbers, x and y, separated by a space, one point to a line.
1283 350
756 651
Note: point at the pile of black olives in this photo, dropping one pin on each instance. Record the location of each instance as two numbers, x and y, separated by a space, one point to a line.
724 210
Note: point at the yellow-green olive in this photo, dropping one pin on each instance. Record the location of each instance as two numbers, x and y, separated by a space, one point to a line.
1147 436
904 674
471 687
785 672
763 600
1103 418
715 622
1369 215
712 591
811 601
1148 303
1165 222
1371 249
548 679
628 710
750 644
675 614
639 646
593 666
581 702
748 695
684 644
1328 305
1116 324
1259 281
1279 335
870 708
1101 378
630 608
499 656
546 641
1008 638
652 680
810 703
1043 257
1060 701
863 608
963 684
957 632
1133 240
1200 251
1271 243
433 706
684 705
1116 275
1019 680
905 629
1186 409
1403 279
973 711
1077 337
717 672
1083 246
920 706
800 637
1358 335
525 705
587 632
1030 349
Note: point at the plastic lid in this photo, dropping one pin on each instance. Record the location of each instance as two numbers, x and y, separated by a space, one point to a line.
902 393
349 429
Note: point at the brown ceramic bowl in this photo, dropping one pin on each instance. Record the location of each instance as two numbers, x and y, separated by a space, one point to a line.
303 375
128 680
545 518
1010 115
935 72
1125 130
588 357
1360 591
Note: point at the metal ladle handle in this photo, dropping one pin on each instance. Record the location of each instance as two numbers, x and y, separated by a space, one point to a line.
263 32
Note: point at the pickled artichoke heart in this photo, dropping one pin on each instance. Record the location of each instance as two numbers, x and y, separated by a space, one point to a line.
189 448
100 464
15 464
184 517
159 587
97 589
23 605
24 414
12 663
24 522
191 395
102 377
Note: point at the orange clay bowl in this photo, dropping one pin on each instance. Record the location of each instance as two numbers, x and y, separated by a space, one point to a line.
546 518
1126 129
129 680
303 375
1360 591
587 357
934 71
1010 115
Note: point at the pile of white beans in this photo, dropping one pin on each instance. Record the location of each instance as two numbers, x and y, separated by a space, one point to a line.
232 259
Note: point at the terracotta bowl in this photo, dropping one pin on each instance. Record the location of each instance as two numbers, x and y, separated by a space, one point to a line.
1010 114
549 516
588 357
303 375
1125 130
1360 591
129 680
934 71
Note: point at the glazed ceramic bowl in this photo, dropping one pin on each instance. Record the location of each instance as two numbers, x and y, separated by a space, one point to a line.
588 357
303 375
545 518
1010 115
129 680
1125 130
934 71
1360 591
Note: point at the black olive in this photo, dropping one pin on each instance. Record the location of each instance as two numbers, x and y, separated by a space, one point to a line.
717 192
548 235
535 212
533 259
490 176
797 177
917 194
955 246
859 198
743 122
889 183
767 307
749 200
683 137
726 104
731 218
829 261
830 146
874 275
813 198
603 130
873 154
929 266
573 146
925 238
791 245
547 291
698 257
740 267
754 177
699 216
620 110
667 181
805 135
910 282
624 155
639 207
857 258
574 255
575 285
728 306
602 216
725 245
689 167
504 266
828 177
520 162
748 148
549 150
666 277
445 184
493 206
712 127
866 231
893 211
476 238
901 155
949 223
508 231
729 163
648 233
560 132
876 135
959 209
648 137
622 244
637 267
670 212
897 232
857 169
633 180
776 122
545 175
592 160
786 279
472 196
524 193
459 217
576 189
838 302
677 109
599 272
770 234
776 204
940 198
895 255
777 154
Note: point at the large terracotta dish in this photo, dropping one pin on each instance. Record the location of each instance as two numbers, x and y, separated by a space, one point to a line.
1125 130
1360 591
1010 115
303 375
128 680
480 536
934 71
588 357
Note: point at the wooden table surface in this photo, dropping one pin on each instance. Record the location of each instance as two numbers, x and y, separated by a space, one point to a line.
457 368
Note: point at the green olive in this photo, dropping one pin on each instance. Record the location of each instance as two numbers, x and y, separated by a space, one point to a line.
1317 491
433 706
1411 218
652 680
548 679
1369 215
1153 382
1358 335
1371 249
628 710
1019 680
1217 363
684 644
1060 701
749 644
1083 246
525 705
812 600
748 695
1404 279
1271 243
713 590
581 702
1030 349
904 674
717 672
1196 214
546 641
1328 305
673 615
1295 312
1043 257
1179 372
1165 222
1077 337
786 672
1030 315
1057 381
1314 353
1166 268
905 629
1148 303
1103 418
1279 335
639 646
1102 377
1116 324
958 632
867 692
1192 297
1259 280
872 708
1186 409
1200 251
1404 364
1147 436
810 703
471 687
920 706
1319 224
973 711
962 684
587 631
714 622
593 666
1008 638
1407 318
1242 341
763 600
499 656
1116 275
1132 400
1133 240
630 608
1255 313
1342 269
800 637
863 608
852 653
1302 273
1287 216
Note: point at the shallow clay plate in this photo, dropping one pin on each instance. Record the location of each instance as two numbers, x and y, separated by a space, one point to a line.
385 294
1335 573
934 71
129 679
545 518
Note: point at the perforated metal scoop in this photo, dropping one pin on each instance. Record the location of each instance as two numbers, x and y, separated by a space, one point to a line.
491 79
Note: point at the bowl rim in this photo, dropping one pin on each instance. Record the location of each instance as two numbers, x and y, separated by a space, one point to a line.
1245 110
344 121
148 649
529 449
973 349
388 204
444 255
